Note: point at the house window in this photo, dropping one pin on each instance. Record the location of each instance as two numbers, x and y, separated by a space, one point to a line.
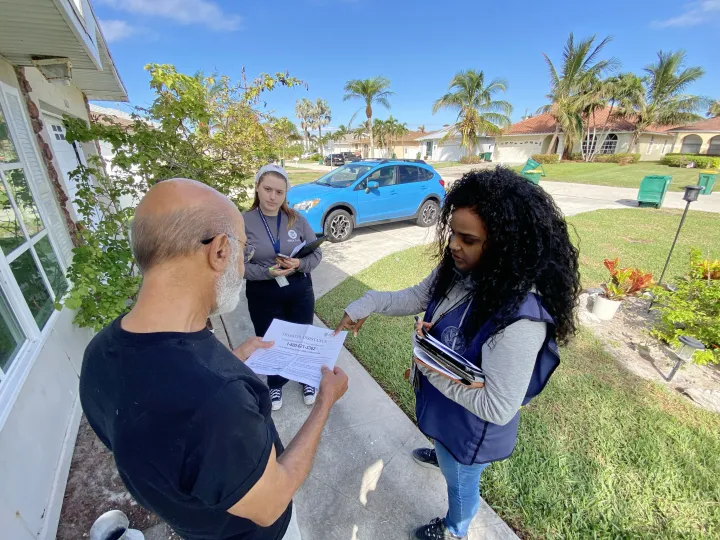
31 274
650 145
609 145
691 145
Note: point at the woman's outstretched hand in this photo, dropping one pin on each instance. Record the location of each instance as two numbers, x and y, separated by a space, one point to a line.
348 324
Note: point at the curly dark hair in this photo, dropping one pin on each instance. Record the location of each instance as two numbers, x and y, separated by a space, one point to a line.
527 246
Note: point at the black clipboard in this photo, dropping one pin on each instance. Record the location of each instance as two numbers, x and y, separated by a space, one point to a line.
307 249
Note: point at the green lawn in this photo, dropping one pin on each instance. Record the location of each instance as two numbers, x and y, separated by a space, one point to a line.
642 238
303 176
602 453
612 174
444 164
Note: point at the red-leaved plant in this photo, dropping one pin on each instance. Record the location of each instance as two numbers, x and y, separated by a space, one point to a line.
625 281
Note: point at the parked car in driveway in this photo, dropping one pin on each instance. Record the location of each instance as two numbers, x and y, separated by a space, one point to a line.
334 159
369 192
349 157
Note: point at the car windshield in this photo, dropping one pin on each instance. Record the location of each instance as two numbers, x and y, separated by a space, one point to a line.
344 176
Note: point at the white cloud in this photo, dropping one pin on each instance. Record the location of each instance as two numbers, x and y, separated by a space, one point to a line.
204 12
116 30
695 13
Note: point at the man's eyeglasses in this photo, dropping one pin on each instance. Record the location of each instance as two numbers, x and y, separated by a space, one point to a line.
248 249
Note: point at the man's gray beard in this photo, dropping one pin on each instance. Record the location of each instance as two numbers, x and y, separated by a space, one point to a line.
228 287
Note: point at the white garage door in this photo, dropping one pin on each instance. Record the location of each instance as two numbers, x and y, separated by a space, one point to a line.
514 153
68 155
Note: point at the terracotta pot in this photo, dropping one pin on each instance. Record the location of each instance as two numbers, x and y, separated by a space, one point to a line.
605 309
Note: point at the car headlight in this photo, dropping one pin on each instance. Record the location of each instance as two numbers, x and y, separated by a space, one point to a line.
306 205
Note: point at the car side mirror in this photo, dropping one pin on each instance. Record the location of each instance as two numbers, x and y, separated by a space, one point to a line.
371 186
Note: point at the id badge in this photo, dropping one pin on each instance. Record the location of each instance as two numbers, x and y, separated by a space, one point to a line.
282 281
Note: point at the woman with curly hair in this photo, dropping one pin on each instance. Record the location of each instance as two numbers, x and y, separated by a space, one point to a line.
502 296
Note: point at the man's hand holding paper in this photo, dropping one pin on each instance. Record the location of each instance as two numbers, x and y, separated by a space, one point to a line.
299 353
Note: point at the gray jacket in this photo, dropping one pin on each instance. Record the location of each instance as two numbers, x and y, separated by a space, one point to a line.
258 268
508 363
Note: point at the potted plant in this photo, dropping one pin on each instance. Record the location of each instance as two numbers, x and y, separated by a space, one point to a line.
623 282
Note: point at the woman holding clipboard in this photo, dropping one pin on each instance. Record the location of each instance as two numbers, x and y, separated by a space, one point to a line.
501 296
279 286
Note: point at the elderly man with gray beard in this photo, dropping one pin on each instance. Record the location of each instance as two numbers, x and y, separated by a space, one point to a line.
187 422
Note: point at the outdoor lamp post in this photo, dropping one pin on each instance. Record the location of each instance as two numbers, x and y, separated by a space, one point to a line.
688 346
691 195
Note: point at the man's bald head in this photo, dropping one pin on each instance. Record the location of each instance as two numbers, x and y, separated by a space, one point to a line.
175 216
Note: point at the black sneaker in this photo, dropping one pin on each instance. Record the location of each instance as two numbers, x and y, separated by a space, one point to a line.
426 457
435 530
276 398
308 395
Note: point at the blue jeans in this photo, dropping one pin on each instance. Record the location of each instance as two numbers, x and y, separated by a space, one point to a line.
463 482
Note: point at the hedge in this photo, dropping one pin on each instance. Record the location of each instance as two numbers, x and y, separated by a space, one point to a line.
471 160
546 159
682 160
623 158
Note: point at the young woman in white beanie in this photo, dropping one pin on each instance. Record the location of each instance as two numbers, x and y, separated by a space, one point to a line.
278 287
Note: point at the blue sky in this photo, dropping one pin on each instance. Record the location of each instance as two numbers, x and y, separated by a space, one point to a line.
417 44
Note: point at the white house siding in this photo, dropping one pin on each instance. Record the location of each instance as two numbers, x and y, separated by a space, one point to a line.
39 408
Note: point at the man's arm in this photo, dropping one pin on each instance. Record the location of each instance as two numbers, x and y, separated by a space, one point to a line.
270 496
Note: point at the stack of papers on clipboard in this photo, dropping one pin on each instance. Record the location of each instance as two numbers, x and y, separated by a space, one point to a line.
443 359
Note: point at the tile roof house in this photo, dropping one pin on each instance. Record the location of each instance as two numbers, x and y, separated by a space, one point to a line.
701 137
534 135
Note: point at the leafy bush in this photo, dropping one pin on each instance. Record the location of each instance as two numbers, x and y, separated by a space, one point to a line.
316 157
692 309
417 156
471 160
622 158
682 160
624 281
171 138
575 156
546 159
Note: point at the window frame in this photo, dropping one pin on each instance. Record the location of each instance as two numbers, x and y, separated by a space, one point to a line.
13 377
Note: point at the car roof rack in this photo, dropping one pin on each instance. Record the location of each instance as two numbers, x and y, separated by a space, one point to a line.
386 160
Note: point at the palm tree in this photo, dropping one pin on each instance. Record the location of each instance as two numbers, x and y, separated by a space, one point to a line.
664 100
321 117
304 112
478 112
376 90
714 109
618 93
580 69
421 129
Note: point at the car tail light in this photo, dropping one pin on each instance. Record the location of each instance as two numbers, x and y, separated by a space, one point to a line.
442 182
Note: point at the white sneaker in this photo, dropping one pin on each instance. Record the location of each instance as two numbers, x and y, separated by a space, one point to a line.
276 398
308 395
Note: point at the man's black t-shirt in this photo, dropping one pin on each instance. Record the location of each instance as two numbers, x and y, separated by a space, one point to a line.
189 426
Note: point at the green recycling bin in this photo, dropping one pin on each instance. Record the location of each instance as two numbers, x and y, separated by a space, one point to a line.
532 176
707 181
282 163
652 190
486 156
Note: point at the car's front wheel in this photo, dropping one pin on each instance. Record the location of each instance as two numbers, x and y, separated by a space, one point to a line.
338 226
428 214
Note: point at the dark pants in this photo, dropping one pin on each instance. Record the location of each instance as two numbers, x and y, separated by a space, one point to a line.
267 301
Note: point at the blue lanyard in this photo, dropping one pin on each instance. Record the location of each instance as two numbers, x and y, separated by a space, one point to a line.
274 241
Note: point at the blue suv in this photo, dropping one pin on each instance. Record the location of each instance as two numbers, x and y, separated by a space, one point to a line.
368 192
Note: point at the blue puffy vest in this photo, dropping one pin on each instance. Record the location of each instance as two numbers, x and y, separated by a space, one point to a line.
467 437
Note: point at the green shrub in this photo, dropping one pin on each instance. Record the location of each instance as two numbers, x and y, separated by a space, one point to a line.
692 309
623 158
546 159
316 157
682 160
575 156
417 156
470 160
